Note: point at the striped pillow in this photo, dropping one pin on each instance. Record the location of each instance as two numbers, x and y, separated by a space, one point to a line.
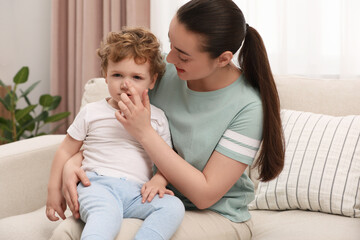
322 166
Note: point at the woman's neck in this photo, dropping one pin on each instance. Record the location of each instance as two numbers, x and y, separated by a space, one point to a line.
220 78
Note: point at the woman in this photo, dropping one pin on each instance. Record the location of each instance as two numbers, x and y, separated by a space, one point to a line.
218 115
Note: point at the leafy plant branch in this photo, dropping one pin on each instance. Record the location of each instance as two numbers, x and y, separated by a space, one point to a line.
24 122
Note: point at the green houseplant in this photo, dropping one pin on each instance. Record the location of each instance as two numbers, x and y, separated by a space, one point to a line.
27 122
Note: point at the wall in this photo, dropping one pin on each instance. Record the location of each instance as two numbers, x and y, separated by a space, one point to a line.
25 41
160 19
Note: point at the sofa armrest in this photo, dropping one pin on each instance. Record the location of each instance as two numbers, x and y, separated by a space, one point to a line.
24 173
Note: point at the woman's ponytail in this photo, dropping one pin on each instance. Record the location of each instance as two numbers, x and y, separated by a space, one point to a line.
222 26
254 63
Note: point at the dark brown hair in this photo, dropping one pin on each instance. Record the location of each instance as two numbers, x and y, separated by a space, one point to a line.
137 43
223 28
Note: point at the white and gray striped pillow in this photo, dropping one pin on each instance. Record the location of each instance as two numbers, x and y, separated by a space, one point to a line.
322 166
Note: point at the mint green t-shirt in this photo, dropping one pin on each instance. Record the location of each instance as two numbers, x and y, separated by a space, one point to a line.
228 120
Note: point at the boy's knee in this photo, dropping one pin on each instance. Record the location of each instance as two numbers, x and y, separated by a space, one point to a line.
180 208
175 205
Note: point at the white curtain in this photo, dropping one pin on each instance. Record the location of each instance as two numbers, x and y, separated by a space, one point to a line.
304 37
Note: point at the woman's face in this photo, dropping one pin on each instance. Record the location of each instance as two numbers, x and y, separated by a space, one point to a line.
185 54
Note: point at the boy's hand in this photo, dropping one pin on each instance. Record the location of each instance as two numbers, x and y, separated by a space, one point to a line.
135 113
55 204
153 187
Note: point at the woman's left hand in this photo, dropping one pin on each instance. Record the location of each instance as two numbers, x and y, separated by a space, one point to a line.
134 113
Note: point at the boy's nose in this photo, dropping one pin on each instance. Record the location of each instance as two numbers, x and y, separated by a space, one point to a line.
123 85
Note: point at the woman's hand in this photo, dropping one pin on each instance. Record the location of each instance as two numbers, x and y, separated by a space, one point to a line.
72 175
156 185
55 204
135 113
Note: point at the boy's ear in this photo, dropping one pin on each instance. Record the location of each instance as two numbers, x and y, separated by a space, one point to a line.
153 80
225 58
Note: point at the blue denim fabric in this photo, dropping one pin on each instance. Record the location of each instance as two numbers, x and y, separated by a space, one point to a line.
108 200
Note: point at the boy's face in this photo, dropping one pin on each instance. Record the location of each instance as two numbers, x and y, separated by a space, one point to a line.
127 70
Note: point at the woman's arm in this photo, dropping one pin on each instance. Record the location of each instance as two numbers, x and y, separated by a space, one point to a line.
72 175
202 188
55 200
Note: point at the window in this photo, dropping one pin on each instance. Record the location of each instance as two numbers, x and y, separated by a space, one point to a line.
303 37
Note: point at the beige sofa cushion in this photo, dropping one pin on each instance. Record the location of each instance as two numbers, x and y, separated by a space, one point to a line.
197 225
34 225
303 225
94 90
25 163
325 96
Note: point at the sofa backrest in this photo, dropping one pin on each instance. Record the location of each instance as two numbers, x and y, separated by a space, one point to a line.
331 97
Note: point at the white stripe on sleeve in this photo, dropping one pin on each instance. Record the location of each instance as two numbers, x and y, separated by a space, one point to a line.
242 139
237 148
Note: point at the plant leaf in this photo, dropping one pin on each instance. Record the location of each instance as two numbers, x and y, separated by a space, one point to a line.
57 117
46 100
27 100
19 114
11 97
5 124
55 103
2 83
42 116
22 75
27 123
8 135
29 89
5 140
5 104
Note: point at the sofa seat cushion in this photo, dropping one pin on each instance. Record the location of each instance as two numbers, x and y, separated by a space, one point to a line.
300 225
196 225
33 225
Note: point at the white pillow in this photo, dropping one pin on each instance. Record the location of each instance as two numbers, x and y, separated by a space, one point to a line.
322 166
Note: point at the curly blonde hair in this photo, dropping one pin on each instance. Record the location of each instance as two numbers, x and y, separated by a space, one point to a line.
137 43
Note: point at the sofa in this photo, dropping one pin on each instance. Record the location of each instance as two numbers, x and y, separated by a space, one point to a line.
317 195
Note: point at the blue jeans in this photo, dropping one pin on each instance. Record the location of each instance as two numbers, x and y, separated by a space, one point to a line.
108 200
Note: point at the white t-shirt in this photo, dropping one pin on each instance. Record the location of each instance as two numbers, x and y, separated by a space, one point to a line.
108 148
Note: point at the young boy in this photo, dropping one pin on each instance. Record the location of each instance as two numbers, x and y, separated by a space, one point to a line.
114 161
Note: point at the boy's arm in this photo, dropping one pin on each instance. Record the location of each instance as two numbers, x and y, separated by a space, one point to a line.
156 185
55 201
159 177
